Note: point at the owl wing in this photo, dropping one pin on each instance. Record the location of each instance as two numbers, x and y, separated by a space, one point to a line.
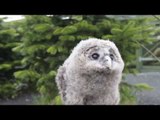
61 81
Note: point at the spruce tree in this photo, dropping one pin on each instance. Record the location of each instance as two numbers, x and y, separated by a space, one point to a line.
46 41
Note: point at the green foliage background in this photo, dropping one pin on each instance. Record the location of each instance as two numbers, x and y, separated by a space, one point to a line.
32 49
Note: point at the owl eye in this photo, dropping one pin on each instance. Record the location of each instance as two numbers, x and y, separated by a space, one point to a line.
95 56
111 56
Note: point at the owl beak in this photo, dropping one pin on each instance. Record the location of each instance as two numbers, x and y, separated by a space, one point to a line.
107 58
108 62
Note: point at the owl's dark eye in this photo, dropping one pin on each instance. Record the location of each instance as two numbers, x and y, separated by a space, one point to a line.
95 56
111 56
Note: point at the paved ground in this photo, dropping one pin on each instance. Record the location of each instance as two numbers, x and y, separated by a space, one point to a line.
144 98
147 97
25 99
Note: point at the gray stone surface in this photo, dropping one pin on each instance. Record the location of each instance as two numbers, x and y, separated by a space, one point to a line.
152 79
144 98
24 99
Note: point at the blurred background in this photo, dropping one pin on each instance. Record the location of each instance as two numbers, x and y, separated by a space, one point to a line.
32 47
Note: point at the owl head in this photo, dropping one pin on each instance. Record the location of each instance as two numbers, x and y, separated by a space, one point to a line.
96 55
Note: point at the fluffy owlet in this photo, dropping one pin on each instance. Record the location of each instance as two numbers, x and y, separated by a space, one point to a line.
91 74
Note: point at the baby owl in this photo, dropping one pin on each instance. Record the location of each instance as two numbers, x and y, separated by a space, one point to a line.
91 74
